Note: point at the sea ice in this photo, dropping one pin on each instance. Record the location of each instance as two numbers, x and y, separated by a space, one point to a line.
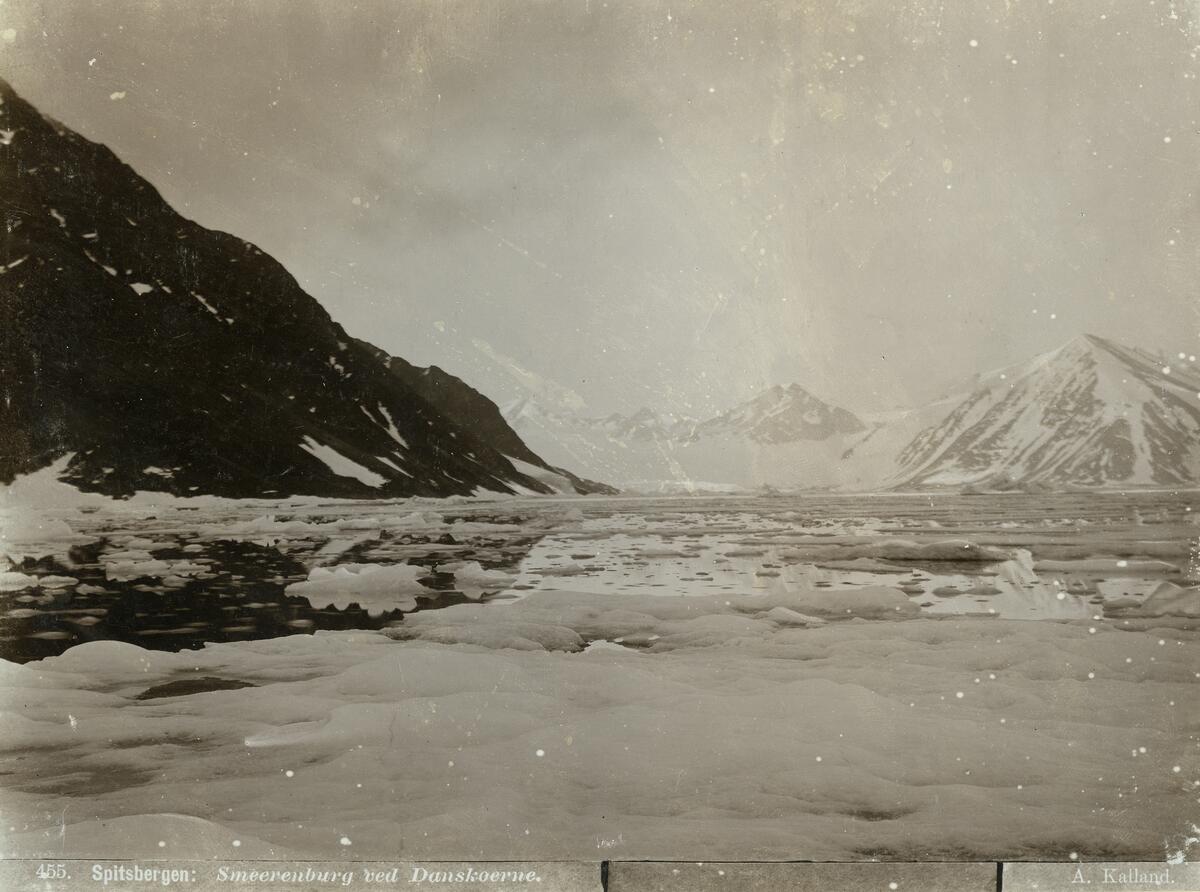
376 589
732 735
1106 565
474 581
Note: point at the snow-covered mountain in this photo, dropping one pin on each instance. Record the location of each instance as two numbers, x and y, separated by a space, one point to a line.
1092 413
782 415
161 355
784 436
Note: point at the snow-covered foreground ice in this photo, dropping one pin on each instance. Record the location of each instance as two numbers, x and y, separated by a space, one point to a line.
605 678
730 736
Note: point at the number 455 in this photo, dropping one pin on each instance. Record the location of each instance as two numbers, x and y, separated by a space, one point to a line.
52 872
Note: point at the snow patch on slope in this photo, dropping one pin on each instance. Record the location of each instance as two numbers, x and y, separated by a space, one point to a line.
555 481
341 465
391 426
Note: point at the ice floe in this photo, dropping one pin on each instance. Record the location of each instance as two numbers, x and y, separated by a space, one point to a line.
376 589
473 580
980 740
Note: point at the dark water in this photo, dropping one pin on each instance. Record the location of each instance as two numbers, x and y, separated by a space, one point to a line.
694 546
240 596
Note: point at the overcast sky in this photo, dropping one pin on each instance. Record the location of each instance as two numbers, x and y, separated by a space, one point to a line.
671 204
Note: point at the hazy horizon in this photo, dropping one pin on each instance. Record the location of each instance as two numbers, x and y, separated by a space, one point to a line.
670 205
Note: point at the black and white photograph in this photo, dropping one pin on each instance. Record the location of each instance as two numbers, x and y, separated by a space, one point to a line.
600 431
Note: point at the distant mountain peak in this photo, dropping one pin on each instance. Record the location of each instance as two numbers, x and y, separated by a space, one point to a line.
782 414
1092 412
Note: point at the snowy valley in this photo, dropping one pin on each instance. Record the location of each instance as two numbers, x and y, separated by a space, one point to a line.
1092 414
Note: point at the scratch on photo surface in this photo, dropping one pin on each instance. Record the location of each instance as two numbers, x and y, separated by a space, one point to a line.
511 245
719 303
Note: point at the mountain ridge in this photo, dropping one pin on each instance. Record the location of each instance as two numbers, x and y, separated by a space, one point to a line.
1090 413
167 356
784 430
782 415
970 437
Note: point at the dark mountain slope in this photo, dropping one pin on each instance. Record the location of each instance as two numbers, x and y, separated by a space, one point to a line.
468 407
171 357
